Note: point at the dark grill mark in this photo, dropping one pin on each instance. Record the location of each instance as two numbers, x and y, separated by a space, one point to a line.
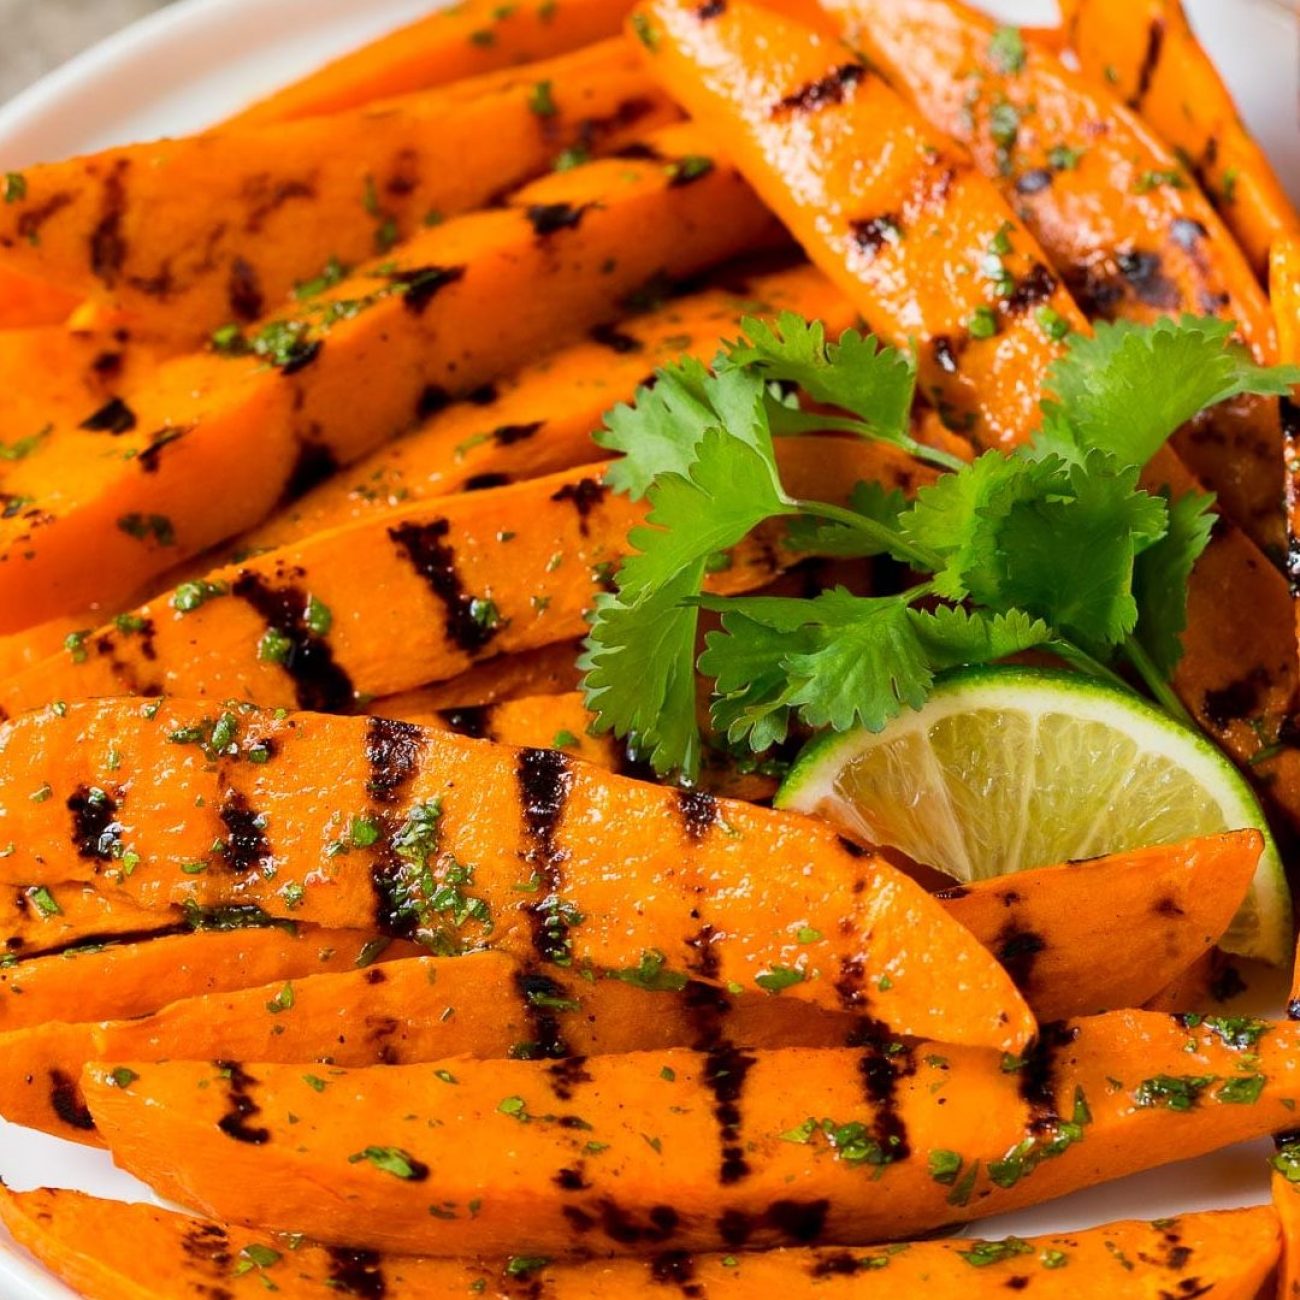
114 417
882 1064
1017 950
676 1267
244 291
107 247
547 218
357 1273
96 831
265 195
246 848
724 1075
107 365
425 547
1187 233
432 399
423 283
31 221
833 88
207 1242
798 1221
711 9
610 336
1145 275
707 1007
699 812
483 395
1037 1077
1037 285
67 1103
873 233
1034 181
240 1107
540 994
622 1227
474 721
150 458
586 495
393 751
1150 61
1235 701
315 463
566 1075
320 684
545 778
480 482
506 435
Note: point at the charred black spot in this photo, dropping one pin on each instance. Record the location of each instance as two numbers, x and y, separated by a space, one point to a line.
566 1075
421 284
833 88
246 847
1037 285
244 291
1034 181
1236 701
610 336
572 1180
873 233
547 218
1037 1076
96 832
357 1273
320 684
1017 949
1166 906
240 1106
151 457
314 464
483 395
586 495
1150 61
107 365
114 417
801 1221
839 1263
480 482
699 812
506 435
393 752
1187 233
425 546
303 356
431 400
474 721
107 246
67 1103
621 1226
1227 984
711 9
1144 273
724 1075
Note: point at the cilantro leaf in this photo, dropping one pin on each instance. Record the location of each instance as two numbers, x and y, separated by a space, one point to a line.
1160 578
857 374
1126 389
954 637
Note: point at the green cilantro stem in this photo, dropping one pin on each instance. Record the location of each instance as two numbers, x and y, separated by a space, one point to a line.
888 539
793 422
1079 658
1155 681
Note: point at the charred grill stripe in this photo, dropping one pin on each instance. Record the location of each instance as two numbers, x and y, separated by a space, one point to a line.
240 1106
506 435
315 462
31 221
611 337
482 482
320 684
421 284
586 495
425 547
725 1069
357 1273
1017 949
150 458
432 399
548 218
1038 1081
540 996
834 88
1150 62
114 417
107 247
699 812
393 753
67 1103
1037 285
96 832
617 1224
246 848
882 1064
244 291
707 1008
474 721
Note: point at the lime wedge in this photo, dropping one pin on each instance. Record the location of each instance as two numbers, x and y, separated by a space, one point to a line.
1007 768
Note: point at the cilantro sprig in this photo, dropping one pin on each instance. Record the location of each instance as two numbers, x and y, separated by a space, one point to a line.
1057 547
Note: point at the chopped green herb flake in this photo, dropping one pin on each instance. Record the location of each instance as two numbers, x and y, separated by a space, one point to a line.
391 1160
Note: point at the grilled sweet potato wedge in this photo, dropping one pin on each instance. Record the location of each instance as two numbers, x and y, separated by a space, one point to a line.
300 395
142 1252
691 1151
467 844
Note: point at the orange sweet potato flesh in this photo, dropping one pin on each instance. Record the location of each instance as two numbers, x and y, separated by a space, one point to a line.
141 1252
1151 57
220 227
721 1142
534 829
540 419
412 595
424 1009
28 304
1286 1202
901 229
452 43
118 980
1109 933
216 441
1129 234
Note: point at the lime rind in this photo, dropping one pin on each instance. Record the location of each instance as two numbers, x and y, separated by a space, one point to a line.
1006 768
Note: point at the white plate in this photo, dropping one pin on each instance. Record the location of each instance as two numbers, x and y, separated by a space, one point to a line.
199 60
